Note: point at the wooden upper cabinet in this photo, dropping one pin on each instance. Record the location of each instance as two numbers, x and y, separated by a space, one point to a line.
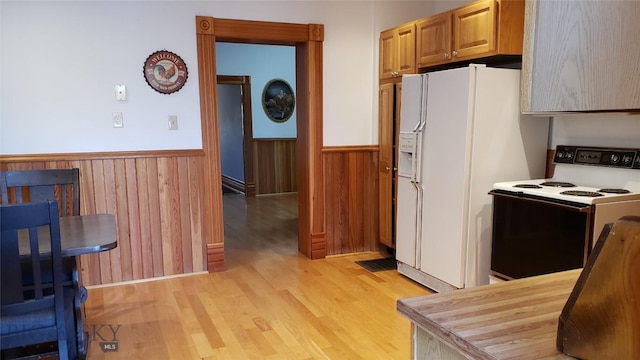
398 51
433 39
388 54
474 30
481 29
581 56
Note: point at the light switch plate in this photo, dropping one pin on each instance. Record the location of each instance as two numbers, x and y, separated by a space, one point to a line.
121 93
117 120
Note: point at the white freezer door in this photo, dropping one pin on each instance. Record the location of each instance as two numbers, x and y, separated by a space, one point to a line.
409 192
445 164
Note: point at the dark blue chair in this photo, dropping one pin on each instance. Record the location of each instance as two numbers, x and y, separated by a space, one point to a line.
25 186
63 185
32 313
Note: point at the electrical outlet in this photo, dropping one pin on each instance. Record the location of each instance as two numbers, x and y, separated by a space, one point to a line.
117 120
173 122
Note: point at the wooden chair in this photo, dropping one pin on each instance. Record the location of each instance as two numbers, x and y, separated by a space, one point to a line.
63 185
28 315
23 186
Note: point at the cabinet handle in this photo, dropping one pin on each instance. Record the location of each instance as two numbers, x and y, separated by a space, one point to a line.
387 168
445 55
454 53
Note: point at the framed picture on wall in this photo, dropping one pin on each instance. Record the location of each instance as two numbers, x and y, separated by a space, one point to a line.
278 100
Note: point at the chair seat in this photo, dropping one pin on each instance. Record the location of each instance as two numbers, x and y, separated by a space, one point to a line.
12 324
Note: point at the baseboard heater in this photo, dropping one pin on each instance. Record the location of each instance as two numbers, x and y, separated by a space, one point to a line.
233 184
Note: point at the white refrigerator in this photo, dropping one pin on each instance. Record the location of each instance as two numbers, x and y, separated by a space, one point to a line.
460 132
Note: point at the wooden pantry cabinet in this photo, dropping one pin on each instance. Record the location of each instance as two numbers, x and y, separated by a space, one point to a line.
397 57
482 29
581 56
389 96
398 51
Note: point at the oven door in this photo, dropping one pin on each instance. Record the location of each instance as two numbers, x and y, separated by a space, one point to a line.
534 236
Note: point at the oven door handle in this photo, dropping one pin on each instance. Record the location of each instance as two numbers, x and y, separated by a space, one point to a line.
582 209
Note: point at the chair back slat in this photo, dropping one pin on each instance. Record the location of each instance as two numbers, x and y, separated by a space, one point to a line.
19 298
34 248
11 270
14 220
24 186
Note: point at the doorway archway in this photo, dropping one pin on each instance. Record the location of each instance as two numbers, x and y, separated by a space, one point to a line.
307 38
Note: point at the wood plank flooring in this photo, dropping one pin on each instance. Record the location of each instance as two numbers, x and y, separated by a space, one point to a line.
270 302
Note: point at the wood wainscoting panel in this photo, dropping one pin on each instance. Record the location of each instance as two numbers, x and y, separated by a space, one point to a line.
351 189
275 165
158 206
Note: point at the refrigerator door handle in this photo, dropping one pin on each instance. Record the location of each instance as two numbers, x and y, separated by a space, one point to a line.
416 161
419 130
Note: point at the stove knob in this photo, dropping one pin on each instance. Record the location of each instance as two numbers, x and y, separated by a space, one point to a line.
615 158
626 159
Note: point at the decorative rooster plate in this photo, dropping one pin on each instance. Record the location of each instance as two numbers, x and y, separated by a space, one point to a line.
165 72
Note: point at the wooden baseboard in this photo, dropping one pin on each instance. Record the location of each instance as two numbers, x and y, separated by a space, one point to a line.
215 257
139 281
318 246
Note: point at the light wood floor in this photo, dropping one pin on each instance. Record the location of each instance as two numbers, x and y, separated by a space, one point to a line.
270 303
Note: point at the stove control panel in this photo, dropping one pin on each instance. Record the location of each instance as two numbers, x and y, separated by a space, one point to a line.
611 157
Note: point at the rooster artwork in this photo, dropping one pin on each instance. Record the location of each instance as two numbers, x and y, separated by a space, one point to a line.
165 72
164 75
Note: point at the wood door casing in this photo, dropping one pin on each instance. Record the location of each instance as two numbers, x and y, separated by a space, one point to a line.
307 38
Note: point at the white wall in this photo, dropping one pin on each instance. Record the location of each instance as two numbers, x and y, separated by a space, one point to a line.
601 130
262 63
61 60
446 5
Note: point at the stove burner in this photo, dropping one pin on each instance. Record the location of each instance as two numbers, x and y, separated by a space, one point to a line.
614 191
557 184
528 186
581 193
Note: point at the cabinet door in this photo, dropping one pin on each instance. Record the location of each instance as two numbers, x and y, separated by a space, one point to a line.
474 29
433 40
581 56
406 50
385 178
388 53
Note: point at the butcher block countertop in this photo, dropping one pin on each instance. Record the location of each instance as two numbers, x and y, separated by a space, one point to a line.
511 320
